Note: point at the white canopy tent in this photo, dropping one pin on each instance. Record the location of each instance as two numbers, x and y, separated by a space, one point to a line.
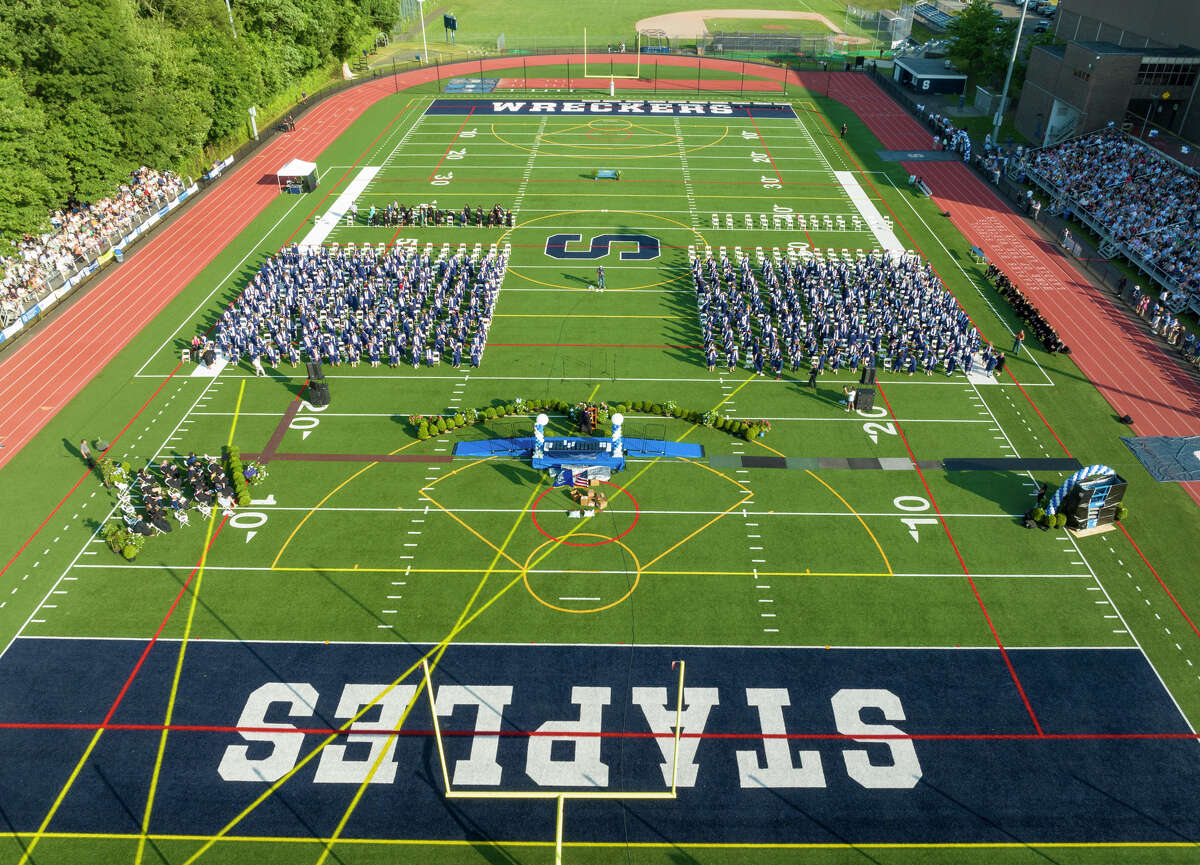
299 174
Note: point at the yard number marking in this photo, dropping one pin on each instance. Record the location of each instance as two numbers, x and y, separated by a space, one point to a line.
873 429
914 503
251 520
306 424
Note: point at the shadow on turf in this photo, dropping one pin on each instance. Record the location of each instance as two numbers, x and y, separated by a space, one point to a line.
11 829
517 473
486 846
925 783
1006 489
830 830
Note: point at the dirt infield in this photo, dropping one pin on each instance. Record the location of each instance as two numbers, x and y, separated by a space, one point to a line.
689 25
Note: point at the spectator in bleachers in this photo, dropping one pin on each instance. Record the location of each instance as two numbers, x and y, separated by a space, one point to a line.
1143 200
78 233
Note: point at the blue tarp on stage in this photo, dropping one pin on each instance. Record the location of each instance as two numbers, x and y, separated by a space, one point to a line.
578 450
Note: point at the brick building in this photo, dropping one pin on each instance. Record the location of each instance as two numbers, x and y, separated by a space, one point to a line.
1114 58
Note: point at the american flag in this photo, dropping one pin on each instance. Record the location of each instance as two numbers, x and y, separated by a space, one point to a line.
580 481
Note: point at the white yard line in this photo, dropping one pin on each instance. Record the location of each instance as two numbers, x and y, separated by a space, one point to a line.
95 535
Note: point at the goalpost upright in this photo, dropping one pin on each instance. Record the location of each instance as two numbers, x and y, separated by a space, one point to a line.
637 70
559 795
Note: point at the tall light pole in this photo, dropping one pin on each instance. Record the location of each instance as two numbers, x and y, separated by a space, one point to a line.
229 9
1012 61
424 46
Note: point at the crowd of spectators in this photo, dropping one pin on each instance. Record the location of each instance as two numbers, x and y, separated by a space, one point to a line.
1143 200
77 233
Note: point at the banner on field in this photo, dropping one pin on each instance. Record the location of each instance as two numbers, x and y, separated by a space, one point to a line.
627 107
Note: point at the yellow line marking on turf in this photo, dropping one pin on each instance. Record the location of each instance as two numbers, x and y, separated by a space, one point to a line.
702 845
236 410
861 521
461 522
332 493
62 794
593 393
333 736
187 632
684 540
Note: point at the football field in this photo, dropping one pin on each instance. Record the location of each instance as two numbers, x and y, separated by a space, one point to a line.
882 664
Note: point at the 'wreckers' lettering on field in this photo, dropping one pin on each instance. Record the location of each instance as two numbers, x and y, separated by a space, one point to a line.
615 107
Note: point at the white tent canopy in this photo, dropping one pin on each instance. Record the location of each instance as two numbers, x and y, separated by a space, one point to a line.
297 168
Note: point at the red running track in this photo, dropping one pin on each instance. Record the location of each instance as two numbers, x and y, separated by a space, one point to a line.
40 377
1132 373
667 84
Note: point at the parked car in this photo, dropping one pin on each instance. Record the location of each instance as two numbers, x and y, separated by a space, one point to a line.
1042 26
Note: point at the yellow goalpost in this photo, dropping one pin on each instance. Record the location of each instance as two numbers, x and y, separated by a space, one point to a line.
637 72
560 795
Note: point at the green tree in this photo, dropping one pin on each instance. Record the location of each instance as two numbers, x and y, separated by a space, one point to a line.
91 89
175 105
976 45
27 194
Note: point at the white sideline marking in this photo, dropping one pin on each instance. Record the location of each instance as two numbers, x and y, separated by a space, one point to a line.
883 232
334 215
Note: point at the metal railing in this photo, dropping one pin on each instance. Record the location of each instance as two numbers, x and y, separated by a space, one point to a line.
57 278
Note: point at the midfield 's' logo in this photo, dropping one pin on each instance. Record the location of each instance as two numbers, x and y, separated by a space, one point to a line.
647 246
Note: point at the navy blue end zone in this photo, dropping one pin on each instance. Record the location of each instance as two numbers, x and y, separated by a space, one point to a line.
969 789
611 107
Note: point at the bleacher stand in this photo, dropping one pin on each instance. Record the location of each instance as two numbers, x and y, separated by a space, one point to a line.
78 233
1146 203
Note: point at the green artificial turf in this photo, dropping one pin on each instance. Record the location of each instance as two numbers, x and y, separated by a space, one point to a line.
320 554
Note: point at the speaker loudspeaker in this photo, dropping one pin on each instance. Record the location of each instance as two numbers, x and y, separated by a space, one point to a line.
315 372
868 375
317 393
864 400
